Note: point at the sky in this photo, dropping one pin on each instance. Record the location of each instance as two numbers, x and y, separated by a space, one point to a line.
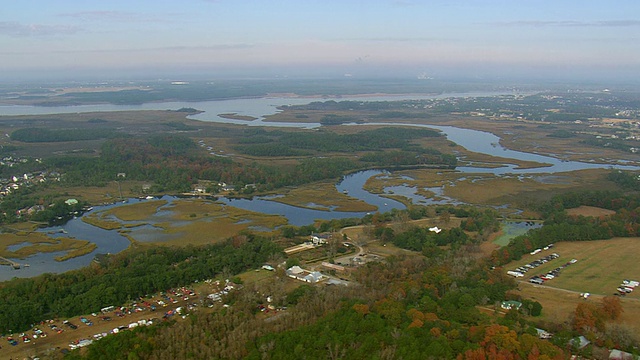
319 38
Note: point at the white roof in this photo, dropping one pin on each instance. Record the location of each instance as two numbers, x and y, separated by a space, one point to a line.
295 269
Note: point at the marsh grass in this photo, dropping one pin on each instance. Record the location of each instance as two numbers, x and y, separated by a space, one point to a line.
36 242
323 196
190 221
136 212
86 248
236 116
96 219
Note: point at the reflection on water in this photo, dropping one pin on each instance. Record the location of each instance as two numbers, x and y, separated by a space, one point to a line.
512 229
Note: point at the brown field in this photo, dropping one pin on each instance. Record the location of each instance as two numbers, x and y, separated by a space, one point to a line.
601 267
590 211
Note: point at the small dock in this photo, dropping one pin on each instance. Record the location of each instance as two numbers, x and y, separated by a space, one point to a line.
15 265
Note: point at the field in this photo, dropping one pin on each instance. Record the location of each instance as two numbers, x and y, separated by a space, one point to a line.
601 267
589 211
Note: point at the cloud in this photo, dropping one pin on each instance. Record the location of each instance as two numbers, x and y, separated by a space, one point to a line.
25 30
573 23
111 16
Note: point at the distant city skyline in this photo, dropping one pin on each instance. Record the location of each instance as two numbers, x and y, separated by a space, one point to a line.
312 38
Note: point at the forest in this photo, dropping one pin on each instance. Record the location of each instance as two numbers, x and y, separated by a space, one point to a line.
125 276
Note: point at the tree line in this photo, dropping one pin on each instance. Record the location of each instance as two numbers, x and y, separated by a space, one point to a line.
124 276
559 226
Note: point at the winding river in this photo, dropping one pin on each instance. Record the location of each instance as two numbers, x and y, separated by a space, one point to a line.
112 242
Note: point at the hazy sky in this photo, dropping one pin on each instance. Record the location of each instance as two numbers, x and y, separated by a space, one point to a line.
319 37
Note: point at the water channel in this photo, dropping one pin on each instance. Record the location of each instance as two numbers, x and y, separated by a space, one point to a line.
112 242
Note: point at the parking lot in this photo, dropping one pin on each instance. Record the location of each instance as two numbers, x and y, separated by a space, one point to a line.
67 334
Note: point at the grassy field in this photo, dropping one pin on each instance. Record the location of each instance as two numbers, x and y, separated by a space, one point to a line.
559 304
601 266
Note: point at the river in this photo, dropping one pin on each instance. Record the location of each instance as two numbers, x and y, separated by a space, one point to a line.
112 242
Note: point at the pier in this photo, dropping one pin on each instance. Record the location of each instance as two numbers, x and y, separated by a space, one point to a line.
15 265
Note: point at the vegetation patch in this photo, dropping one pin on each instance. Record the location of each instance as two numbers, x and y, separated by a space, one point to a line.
136 212
96 219
589 211
323 196
82 249
236 116
35 242
198 221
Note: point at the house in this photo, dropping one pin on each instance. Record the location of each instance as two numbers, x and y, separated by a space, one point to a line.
298 273
295 270
579 342
318 239
313 277
542 334
616 354
511 304
200 189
